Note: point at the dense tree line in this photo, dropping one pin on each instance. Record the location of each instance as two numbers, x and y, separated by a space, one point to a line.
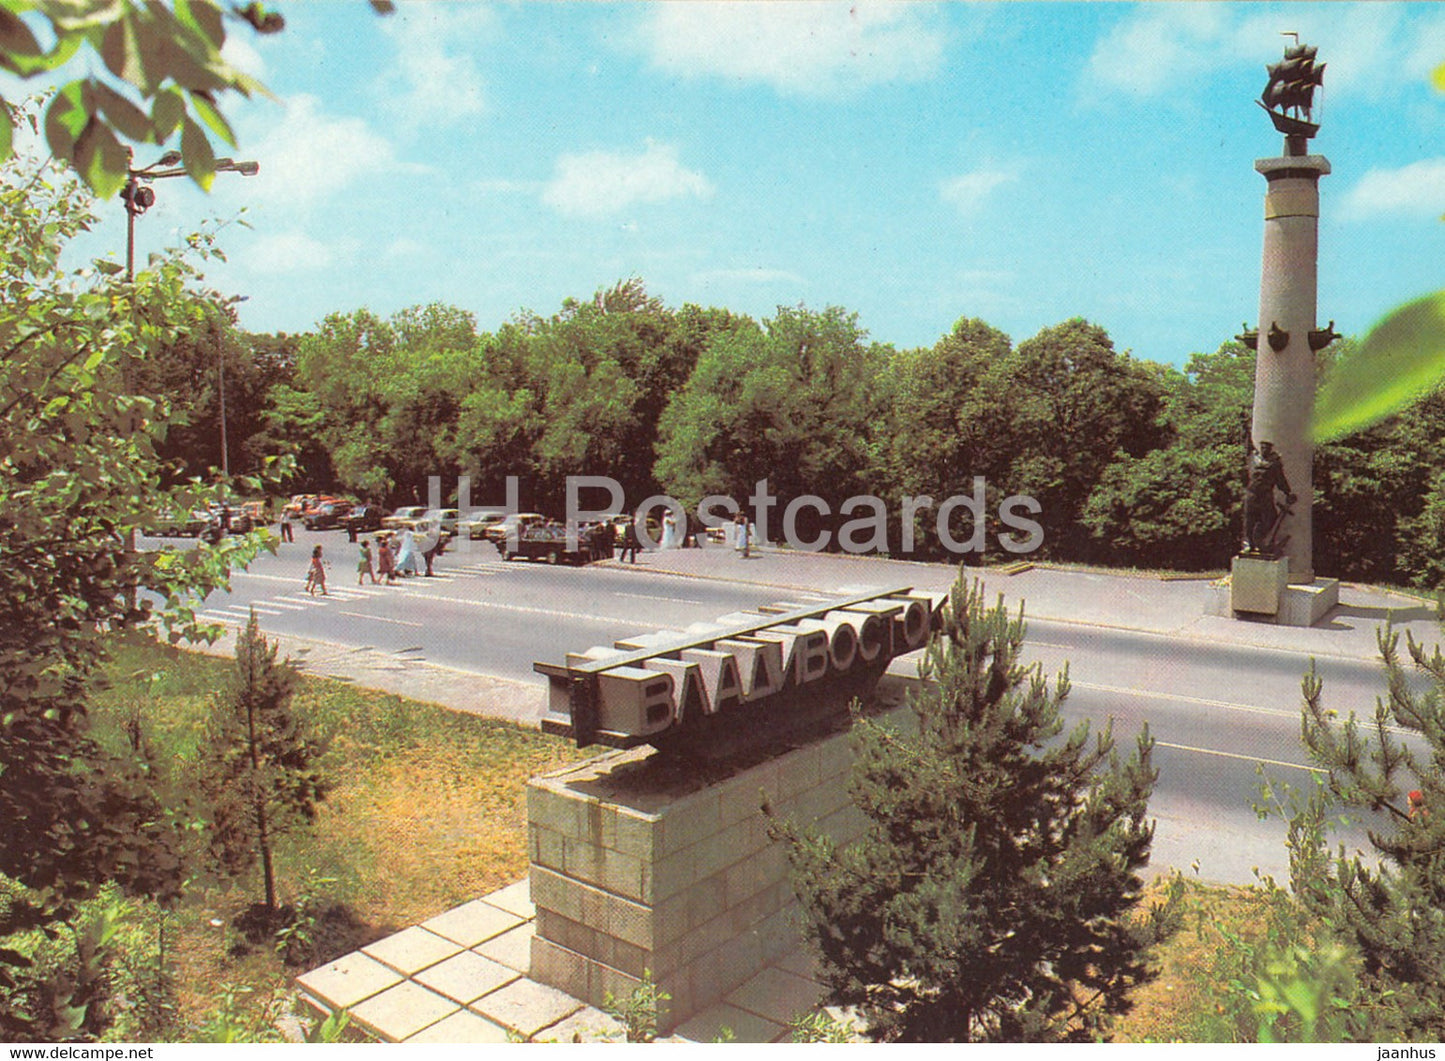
1131 463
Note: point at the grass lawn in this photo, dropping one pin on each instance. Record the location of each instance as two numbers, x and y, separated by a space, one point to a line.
428 811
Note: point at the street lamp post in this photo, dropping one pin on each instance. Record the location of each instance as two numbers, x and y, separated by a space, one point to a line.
139 197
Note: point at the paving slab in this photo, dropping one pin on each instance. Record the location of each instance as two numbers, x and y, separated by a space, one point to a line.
466 977
512 948
348 980
400 1012
412 949
801 962
716 1022
472 923
464 1026
777 995
526 1006
587 1025
515 899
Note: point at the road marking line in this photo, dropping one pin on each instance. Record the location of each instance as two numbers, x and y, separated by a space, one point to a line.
288 607
263 609
379 618
1235 755
669 600
1273 712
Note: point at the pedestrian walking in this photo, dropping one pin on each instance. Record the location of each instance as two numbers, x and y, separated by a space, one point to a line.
364 565
287 533
743 536
317 575
384 563
629 540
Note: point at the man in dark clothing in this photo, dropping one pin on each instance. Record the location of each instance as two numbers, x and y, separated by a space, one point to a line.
1266 475
630 541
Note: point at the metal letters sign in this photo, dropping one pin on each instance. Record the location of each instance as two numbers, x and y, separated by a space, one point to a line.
738 679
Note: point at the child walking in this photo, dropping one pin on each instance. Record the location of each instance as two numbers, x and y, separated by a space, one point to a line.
317 575
363 565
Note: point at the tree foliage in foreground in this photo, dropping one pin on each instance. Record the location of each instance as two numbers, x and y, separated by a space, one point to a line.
80 439
1391 908
996 892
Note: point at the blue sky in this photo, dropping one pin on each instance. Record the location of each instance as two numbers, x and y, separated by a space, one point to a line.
1021 162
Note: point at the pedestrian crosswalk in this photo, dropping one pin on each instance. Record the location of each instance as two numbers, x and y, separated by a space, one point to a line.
292 602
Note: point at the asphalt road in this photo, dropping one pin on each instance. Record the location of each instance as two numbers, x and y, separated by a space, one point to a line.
1220 713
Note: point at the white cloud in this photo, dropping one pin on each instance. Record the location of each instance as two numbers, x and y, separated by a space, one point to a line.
1418 188
289 252
967 191
599 183
242 54
435 81
805 48
1163 50
309 154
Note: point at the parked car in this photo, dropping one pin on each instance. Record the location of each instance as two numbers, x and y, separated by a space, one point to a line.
446 518
170 524
548 541
327 515
403 518
475 525
299 503
363 519
498 532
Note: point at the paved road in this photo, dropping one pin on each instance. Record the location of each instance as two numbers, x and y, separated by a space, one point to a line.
1218 710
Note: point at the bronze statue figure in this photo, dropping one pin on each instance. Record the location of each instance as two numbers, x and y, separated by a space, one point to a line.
1263 519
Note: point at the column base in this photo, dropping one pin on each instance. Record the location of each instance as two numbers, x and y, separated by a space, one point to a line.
1260 591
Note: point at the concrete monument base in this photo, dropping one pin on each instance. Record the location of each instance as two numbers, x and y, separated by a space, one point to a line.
642 863
1256 586
1260 590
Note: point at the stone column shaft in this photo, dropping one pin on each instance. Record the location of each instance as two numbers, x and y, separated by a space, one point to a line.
1284 389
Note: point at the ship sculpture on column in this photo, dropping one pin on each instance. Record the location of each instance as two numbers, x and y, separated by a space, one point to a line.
1273 577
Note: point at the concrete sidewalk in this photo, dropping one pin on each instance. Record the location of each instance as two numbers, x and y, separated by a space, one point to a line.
1174 606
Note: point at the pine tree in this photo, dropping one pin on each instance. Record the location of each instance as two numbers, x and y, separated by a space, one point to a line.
262 765
1392 908
993 895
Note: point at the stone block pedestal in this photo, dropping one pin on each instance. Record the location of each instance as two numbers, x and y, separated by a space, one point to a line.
1256 586
1260 590
640 863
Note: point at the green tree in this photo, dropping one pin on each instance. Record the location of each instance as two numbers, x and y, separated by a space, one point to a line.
1076 405
80 467
949 421
1179 505
994 893
262 772
1390 908
796 401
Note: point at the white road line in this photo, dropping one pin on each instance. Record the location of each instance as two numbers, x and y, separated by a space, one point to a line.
669 600
379 618
288 607
262 609
1223 704
1235 755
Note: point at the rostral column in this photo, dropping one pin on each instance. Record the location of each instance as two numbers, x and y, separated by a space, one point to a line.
1284 382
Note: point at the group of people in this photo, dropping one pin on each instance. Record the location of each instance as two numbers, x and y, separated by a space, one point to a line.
404 555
